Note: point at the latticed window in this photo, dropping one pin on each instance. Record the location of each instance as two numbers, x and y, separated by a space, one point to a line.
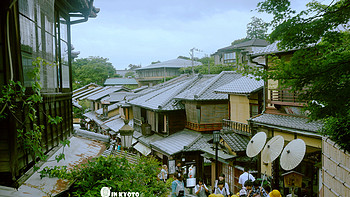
44 33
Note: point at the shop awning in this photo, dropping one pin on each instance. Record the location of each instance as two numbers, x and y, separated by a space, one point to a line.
142 149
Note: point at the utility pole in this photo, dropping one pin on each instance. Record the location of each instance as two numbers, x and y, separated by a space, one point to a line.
192 55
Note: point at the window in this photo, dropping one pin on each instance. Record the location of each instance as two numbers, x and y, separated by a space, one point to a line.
230 57
44 33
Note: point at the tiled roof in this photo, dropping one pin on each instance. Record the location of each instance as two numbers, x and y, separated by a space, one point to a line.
76 104
116 96
243 85
235 141
175 63
93 117
139 89
200 143
209 152
115 123
176 142
147 140
121 81
291 122
249 43
204 89
105 92
110 108
86 93
86 87
269 49
162 97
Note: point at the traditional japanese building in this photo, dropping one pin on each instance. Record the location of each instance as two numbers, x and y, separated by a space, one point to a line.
30 29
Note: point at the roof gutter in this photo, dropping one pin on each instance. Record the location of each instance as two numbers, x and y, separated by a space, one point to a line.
85 14
307 133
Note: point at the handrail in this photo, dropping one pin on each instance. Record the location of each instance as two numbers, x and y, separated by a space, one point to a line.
237 127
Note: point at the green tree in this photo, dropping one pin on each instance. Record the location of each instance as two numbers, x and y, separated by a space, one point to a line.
239 41
133 66
91 70
320 68
257 28
156 62
114 172
130 74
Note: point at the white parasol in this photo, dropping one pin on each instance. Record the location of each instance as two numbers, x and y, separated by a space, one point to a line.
272 149
256 144
293 154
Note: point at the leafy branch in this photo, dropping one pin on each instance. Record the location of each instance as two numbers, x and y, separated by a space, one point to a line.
14 98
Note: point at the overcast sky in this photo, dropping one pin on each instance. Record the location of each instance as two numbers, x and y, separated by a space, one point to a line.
143 31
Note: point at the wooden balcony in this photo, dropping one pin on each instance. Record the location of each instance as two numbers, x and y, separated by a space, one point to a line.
203 127
237 127
286 97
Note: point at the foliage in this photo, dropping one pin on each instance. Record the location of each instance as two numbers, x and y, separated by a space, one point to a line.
91 70
133 66
114 172
184 57
14 97
156 62
320 69
169 181
167 79
240 41
257 28
130 74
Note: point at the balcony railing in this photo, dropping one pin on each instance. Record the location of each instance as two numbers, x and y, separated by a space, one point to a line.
203 127
237 127
285 96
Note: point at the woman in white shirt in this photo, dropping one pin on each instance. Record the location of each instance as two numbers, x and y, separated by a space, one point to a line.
201 188
221 189
164 173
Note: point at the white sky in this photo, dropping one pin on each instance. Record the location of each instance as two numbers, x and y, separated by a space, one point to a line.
143 31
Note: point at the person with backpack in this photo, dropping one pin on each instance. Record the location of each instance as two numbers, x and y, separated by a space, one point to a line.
178 187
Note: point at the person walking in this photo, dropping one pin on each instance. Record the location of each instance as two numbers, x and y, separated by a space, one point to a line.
178 187
201 189
245 176
163 175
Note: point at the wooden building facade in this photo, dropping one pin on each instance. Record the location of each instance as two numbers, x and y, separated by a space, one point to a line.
31 29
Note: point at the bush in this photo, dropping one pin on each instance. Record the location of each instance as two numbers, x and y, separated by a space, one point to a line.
114 172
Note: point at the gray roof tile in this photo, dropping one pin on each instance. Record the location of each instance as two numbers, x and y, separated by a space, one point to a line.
249 43
87 93
147 140
235 141
162 97
175 63
200 144
204 89
291 122
121 81
243 85
105 92
176 142
110 108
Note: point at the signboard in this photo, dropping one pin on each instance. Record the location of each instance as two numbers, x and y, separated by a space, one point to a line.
171 167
